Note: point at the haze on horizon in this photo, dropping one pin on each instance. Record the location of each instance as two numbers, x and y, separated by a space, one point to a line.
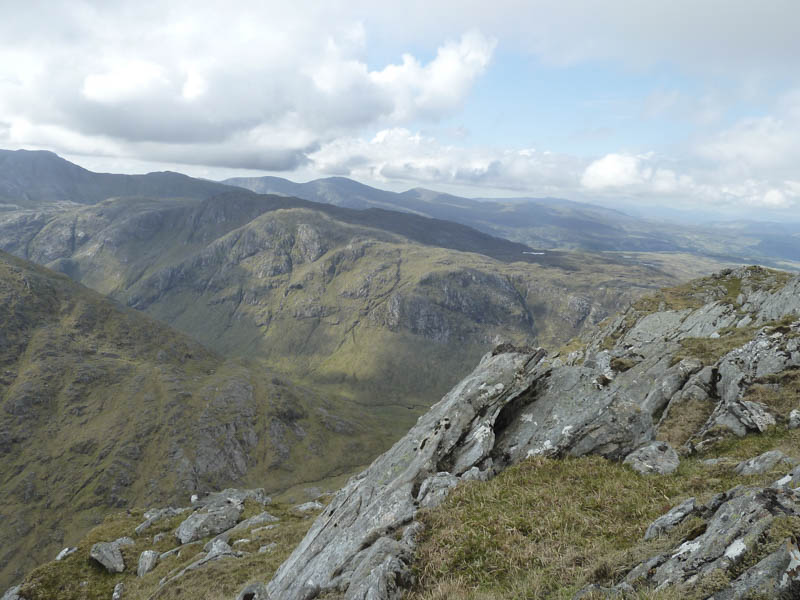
654 106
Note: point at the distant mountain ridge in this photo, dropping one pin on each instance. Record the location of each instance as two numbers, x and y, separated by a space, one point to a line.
552 223
29 179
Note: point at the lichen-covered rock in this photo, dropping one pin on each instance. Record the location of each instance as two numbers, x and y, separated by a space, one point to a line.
656 457
763 463
775 576
735 527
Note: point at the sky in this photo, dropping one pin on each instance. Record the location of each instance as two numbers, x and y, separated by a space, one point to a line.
651 105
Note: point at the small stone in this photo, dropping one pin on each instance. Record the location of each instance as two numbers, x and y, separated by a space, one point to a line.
241 541
656 457
794 419
267 548
66 552
308 507
158 537
147 562
194 498
118 590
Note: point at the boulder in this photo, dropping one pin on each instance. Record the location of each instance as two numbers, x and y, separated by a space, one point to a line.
109 555
656 457
147 562
213 519
763 463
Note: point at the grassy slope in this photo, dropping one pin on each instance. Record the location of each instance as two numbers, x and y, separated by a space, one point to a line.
105 407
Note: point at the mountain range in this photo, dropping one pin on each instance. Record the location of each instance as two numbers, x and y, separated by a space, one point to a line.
550 223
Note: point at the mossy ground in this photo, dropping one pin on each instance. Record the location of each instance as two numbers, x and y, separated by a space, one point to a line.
545 528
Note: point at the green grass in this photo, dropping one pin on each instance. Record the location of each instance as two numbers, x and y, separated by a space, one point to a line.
545 528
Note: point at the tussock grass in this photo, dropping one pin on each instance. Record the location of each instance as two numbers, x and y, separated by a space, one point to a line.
545 528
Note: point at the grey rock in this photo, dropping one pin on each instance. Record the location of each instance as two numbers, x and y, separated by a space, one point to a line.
241 541
219 550
794 419
119 589
158 537
267 548
763 463
154 516
242 527
254 591
775 576
147 562
657 457
12 593
791 480
66 552
213 519
354 540
732 529
234 496
108 554
672 519
312 506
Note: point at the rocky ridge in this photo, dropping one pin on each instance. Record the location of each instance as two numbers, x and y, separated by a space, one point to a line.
610 399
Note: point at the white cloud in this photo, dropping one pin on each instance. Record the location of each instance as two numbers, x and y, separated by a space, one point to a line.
189 79
613 171
123 81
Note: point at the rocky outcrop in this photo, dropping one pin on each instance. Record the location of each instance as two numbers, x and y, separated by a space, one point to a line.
739 524
611 399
